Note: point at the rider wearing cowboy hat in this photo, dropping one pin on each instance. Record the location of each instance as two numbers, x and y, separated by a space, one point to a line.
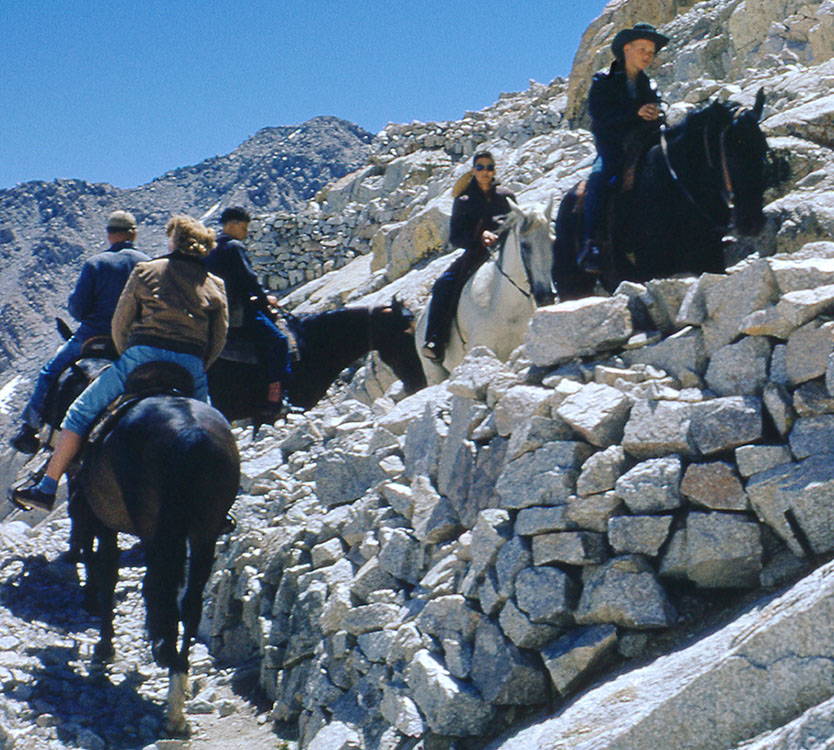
621 99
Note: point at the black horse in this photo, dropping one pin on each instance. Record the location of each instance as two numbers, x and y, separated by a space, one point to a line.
699 175
327 343
168 471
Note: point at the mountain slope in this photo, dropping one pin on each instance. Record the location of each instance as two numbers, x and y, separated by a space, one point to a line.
47 228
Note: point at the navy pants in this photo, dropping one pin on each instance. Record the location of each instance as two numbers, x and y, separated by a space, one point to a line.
602 174
273 348
445 294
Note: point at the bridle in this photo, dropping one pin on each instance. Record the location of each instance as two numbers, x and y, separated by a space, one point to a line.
498 256
727 192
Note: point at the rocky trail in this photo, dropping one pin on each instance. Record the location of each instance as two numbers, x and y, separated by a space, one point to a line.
57 696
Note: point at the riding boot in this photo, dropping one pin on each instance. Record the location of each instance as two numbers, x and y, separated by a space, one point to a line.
25 440
590 257
433 350
40 495
274 406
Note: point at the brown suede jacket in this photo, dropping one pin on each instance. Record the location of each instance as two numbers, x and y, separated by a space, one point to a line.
173 303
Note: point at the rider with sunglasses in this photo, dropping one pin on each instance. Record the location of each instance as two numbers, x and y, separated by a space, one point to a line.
479 204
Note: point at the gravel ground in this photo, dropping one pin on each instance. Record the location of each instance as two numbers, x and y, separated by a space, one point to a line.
55 696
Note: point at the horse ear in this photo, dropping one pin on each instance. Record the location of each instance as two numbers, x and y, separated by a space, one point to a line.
759 105
718 116
515 215
548 212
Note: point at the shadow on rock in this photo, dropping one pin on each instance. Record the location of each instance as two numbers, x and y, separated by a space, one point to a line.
85 699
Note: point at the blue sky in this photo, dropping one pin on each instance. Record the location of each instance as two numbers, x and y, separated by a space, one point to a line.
122 92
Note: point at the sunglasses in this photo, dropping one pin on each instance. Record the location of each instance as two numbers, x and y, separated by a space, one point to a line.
482 167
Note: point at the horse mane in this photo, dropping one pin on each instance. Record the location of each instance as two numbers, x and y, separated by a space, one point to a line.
694 119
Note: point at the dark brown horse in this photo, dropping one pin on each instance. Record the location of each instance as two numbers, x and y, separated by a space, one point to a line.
703 174
167 472
327 343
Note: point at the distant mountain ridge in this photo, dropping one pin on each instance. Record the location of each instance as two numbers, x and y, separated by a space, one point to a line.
46 228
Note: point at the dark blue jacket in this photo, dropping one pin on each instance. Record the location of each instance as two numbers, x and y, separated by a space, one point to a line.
614 110
100 285
228 261
473 212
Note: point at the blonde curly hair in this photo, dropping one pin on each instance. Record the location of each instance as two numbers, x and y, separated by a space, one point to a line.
189 237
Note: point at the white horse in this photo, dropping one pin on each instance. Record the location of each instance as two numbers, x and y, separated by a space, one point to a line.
498 301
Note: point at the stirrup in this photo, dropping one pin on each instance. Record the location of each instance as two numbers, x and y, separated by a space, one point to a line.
590 258
433 351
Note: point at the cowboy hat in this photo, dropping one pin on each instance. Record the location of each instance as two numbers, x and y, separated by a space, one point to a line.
638 31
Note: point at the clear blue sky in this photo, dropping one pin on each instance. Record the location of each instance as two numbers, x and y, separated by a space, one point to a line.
122 92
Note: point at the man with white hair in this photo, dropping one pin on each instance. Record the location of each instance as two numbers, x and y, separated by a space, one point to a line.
91 303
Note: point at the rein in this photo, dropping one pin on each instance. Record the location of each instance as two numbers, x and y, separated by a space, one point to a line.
726 195
497 258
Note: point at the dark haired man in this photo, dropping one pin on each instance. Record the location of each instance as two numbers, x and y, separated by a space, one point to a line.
249 305
620 100
91 303
479 204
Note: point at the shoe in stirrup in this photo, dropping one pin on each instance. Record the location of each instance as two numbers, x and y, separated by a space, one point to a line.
31 497
432 350
590 258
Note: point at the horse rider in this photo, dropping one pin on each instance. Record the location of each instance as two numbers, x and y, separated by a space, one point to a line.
171 310
249 305
479 204
621 100
91 303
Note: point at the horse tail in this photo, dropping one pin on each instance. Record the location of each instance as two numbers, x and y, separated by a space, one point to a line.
571 282
202 476
197 483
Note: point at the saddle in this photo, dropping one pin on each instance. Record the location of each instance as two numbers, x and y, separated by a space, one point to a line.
99 347
635 148
149 379
240 347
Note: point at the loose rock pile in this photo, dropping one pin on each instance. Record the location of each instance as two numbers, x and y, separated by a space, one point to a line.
434 564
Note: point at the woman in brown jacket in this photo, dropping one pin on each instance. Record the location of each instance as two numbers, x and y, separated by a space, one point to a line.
171 310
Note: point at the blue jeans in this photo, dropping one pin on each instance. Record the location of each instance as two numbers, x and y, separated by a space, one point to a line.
68 352
273 348
601 175
111 383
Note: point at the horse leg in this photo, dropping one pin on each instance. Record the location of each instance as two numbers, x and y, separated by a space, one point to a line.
199 570
106 567
82 540
176 724
165 558
81 533
570 280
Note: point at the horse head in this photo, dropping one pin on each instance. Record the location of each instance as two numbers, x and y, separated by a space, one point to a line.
742 151
535 237
392 335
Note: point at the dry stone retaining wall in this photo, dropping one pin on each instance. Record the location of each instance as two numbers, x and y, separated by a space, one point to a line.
436 564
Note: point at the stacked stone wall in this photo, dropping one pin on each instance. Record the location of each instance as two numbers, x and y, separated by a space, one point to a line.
431 566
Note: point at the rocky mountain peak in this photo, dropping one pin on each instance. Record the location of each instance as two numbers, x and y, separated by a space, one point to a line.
429 570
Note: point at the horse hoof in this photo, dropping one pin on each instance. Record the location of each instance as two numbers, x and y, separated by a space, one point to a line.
178 729
103 652
71 556
163 654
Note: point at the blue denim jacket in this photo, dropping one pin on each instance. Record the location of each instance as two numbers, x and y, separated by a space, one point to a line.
100 284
